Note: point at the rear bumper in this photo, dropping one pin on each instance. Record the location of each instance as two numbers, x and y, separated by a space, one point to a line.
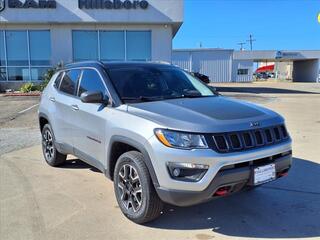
236 179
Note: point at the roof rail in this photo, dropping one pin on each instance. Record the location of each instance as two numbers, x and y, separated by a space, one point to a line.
72 64
161 62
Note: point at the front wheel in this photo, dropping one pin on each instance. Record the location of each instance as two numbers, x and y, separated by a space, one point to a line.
134 190
52 156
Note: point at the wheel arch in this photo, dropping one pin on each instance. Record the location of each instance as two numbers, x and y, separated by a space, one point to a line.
43 120
132 145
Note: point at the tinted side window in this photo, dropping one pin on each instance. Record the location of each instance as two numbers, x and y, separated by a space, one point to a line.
91 81
58 80
69 81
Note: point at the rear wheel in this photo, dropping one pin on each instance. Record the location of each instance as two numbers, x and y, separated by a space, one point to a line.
134 190
52 156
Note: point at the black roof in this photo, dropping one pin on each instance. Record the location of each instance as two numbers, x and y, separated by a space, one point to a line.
110 65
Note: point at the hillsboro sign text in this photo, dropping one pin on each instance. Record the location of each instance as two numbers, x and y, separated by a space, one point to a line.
113 4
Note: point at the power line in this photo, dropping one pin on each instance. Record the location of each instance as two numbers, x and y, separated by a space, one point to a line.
251 40
241 45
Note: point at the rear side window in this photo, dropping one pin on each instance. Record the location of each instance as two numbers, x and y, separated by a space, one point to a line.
58 80
69 82
92 82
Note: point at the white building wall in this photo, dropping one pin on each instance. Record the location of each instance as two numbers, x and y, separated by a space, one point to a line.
222 65
242 64
182 59
161 41
215 63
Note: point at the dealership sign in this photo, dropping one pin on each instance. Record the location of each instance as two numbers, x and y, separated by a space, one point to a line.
113 4
82 4
28 4
280 55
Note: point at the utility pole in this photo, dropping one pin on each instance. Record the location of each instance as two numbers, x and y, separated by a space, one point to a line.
241 45
251 40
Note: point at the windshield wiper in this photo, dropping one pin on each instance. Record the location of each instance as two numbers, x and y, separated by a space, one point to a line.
192 94
142 98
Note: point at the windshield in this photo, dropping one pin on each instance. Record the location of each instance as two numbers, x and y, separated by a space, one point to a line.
154 83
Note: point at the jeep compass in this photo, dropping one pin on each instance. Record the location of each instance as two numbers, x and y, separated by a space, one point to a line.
159 134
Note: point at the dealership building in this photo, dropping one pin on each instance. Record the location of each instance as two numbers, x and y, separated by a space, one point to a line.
37 34
228 65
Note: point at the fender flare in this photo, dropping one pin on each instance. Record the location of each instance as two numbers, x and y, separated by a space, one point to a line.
43 115
136 145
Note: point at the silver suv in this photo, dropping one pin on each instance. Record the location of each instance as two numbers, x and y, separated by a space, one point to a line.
160 135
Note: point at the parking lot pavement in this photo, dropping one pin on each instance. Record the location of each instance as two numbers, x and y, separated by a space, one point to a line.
18 123
12 112
77 202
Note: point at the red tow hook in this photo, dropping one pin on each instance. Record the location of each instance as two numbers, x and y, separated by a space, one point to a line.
222 191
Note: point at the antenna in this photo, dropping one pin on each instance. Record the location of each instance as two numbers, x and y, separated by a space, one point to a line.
251 40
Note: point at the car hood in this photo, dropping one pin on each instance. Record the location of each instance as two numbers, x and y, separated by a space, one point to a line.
208 114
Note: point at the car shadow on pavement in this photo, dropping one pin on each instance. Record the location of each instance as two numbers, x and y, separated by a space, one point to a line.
287 208
78 164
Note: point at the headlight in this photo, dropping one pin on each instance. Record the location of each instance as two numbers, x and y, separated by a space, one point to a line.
180 139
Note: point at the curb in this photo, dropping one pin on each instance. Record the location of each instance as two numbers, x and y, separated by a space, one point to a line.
22 94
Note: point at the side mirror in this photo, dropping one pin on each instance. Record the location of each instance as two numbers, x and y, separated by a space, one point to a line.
94 97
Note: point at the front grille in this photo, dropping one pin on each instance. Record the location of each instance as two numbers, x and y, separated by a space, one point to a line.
221 143
257 162
259 138
235 141
244 140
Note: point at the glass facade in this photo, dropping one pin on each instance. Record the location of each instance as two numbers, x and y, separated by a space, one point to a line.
17 48
138 46
85 45
25 55
3 70
2 53
40 48
111 45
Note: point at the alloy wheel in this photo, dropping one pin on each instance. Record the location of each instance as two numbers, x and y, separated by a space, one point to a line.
129 188
48 146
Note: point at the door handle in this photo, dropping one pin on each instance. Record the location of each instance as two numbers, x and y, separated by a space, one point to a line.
75 107
52 99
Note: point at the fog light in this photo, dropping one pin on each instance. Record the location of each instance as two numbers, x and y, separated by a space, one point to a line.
188 172
176 172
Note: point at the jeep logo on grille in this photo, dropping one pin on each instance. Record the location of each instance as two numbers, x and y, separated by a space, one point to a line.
2 5
254 124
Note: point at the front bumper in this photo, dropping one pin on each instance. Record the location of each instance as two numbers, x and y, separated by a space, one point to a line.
236 179
160 155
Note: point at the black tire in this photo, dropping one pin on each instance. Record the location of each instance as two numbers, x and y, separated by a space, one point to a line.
251 188
50 153
150 206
